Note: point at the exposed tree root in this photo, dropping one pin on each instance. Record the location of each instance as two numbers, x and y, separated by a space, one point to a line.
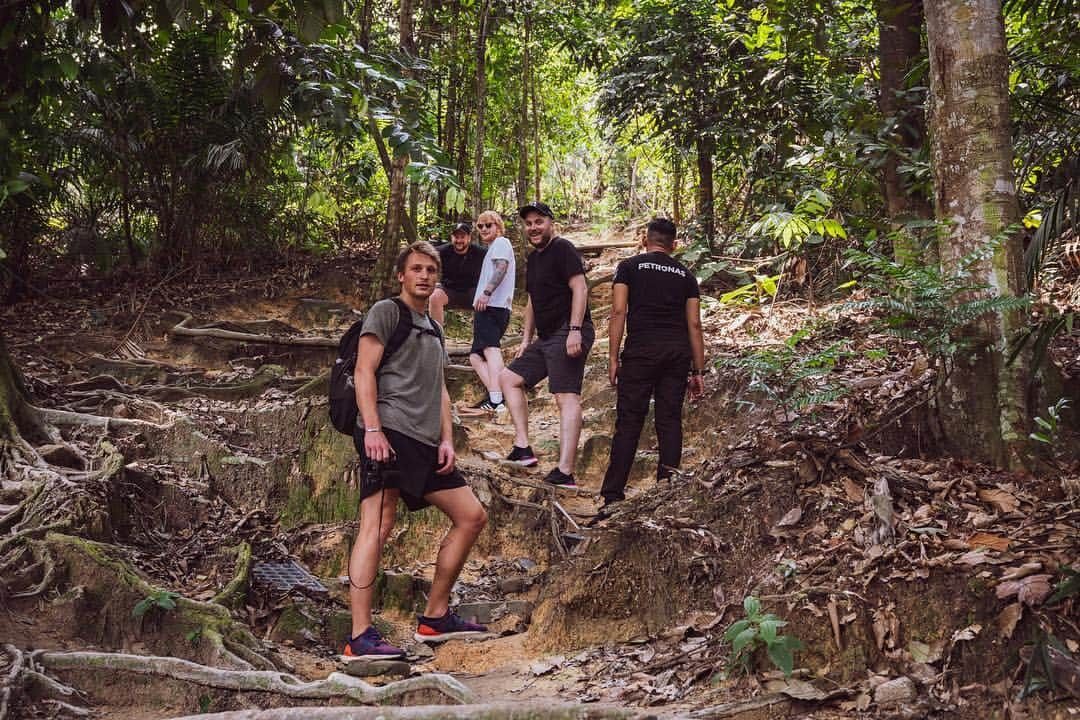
236 589
337 685
487 711
181 329
25 684
230 642
65 417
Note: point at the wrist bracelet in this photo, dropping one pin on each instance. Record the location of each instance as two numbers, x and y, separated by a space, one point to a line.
487 292
697 373
372 429
575 327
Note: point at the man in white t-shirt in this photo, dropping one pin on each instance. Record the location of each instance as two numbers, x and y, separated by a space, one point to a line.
494 295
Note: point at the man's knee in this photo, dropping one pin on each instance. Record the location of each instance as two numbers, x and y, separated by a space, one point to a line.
510 379
474 520
568 402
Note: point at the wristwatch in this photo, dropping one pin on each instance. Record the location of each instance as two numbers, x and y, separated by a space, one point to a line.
697 373
487 293
575 327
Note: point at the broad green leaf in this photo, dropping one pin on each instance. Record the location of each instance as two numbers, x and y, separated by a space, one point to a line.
751 605
743 639
736 627
782 657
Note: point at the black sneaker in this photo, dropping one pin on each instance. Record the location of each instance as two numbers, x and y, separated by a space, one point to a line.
522 456
609 508
560 479
484 404
448 627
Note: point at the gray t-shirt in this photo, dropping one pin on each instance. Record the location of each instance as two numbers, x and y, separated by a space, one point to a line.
411 381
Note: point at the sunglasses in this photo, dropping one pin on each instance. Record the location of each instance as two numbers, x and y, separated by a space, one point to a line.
485 226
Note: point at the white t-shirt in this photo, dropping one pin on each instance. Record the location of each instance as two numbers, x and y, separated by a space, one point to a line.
503 295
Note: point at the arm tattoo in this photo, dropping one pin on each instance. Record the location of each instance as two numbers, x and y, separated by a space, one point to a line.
497 274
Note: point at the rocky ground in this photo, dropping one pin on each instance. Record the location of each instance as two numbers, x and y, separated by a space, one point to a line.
914 587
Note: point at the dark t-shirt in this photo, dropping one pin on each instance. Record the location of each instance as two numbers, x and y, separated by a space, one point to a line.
547 278
461 272
659 287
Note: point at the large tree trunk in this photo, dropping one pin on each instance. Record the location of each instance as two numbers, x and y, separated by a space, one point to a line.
481 96
17 416
900 50
983 403
676 188
396 217
705 148
450 132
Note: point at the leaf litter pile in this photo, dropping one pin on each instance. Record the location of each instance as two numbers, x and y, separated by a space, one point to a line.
918 587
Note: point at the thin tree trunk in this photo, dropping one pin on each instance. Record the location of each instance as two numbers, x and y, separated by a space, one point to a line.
481 96
381 280
983 405
900 50
522 185
536 137
676 188
705 149
452 94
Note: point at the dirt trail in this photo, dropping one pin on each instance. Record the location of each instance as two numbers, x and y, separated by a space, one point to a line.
235 452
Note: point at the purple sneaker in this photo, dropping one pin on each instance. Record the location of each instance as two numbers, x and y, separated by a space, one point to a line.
448 627
369 645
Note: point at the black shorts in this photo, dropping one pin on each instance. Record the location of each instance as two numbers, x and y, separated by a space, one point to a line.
488 327
458 299
546 357
412 471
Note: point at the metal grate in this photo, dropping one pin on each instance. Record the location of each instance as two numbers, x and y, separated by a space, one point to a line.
284 576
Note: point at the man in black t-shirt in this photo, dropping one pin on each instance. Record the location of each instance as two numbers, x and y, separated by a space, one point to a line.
462 262
658 299
558 310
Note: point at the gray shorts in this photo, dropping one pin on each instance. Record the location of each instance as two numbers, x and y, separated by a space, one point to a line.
547 358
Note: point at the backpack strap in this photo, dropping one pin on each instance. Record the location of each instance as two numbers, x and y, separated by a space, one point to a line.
401 332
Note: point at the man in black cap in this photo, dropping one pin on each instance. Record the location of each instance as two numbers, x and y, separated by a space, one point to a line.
462 262
558 311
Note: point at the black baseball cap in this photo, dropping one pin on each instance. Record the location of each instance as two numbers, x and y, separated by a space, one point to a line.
537 207
462 227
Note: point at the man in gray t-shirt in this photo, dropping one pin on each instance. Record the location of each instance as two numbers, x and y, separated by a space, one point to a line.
404 436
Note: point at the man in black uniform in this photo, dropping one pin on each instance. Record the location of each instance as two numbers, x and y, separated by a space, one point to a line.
664 348
462 262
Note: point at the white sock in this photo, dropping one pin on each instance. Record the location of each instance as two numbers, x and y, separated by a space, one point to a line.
496 397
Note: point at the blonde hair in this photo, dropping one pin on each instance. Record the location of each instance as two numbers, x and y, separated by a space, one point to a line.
422 247
492 216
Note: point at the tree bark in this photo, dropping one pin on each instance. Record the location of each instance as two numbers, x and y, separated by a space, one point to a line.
17 416
450 131
900 49
705 148
381 277
481 96
522 186
676 188
983 403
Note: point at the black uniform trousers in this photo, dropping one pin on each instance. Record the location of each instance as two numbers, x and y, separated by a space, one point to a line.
659 372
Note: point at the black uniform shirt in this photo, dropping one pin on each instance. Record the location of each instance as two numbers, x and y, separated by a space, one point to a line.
659 287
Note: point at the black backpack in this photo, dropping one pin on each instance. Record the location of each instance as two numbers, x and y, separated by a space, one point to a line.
343 408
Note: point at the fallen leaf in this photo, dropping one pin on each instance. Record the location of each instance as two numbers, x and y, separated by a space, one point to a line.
1003 501
854 491
989 540
1022 571
967 633
791 517
795 688
1034 589
1008 618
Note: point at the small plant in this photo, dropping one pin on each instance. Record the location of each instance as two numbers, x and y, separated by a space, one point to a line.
792 375
1068 587
760 630
1050 426
753 293
164 600
924 304
194 637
